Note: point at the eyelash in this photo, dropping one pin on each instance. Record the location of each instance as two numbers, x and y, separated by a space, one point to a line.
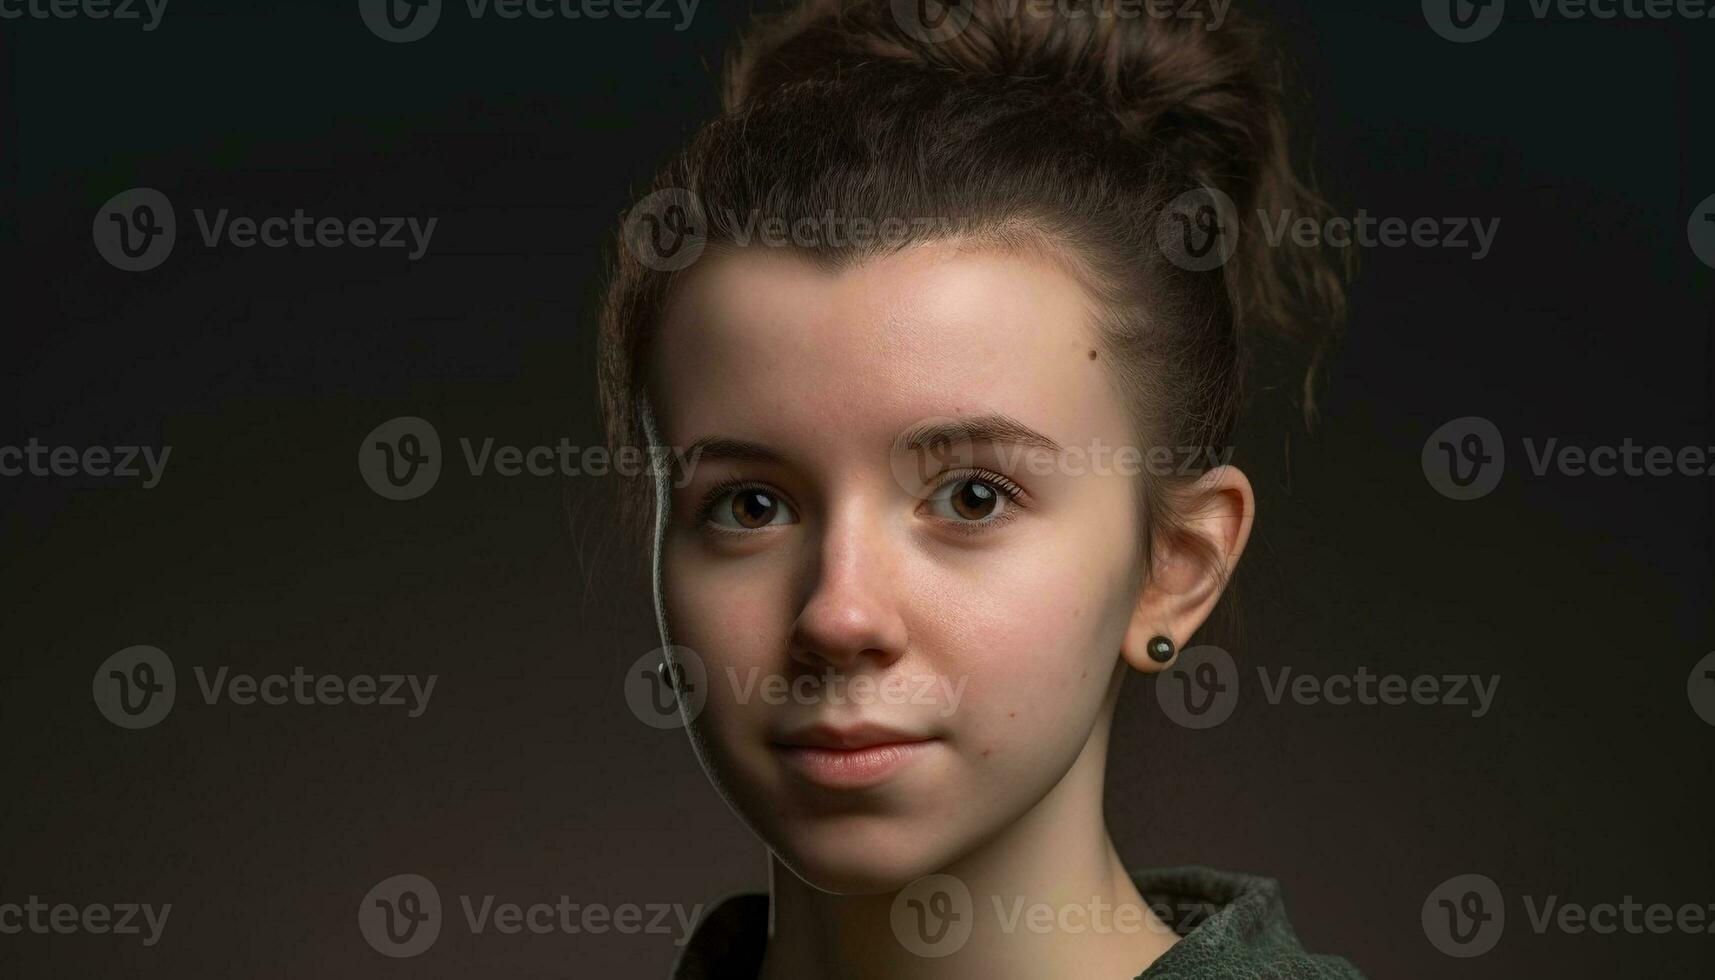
706 508
1014 494
1015 497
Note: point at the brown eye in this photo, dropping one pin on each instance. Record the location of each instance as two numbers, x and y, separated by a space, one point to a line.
972 500
749 508
754 508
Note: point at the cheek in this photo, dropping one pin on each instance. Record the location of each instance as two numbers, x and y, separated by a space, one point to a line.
733 616
1044 636
727 611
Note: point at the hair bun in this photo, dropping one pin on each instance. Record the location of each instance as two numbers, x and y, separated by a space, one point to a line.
1194 81
1192 69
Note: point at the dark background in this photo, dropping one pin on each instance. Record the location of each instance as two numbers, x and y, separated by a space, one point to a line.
528 777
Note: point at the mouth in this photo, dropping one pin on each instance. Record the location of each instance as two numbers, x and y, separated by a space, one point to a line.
851 758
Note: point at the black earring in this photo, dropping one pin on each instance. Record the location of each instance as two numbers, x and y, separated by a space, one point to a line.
1160 649
668 675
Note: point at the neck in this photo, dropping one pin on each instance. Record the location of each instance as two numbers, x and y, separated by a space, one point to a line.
1049 896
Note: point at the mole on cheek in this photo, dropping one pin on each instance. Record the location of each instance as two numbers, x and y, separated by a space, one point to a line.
1092 355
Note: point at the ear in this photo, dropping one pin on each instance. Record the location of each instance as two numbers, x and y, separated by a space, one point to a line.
1183 585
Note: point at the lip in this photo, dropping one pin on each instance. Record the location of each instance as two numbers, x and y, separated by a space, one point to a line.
851 758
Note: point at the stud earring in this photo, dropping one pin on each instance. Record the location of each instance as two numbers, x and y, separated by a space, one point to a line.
1160 649
668 675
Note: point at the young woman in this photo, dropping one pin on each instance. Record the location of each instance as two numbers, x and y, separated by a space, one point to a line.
925 319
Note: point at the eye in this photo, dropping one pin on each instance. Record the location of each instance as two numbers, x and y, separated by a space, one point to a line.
745 507
978 497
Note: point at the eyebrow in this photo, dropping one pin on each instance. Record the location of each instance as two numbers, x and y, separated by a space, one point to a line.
978 428
721 447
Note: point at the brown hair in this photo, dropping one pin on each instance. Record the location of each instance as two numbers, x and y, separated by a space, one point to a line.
1076 129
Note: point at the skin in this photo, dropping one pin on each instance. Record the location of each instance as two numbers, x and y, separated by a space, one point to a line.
851 566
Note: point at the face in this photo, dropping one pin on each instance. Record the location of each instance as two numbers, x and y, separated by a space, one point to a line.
906 649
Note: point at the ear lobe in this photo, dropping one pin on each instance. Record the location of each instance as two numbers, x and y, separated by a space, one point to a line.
1192 564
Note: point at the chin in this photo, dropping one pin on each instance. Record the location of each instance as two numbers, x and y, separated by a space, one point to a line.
870 861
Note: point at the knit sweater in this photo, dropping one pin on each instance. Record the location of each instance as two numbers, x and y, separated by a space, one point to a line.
1231 927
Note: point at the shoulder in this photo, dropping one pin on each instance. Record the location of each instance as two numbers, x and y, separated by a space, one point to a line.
1231 926
727 942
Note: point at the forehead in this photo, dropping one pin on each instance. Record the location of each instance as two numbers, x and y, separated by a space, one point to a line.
762 343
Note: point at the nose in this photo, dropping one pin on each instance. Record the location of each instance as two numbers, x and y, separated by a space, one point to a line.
854 608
